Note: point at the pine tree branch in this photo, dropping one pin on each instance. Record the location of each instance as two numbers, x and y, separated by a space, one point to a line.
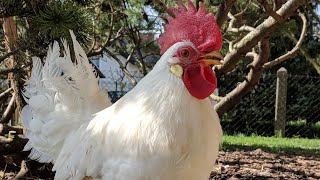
20 7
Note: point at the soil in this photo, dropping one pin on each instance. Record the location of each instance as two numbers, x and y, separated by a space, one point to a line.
231 165
262 165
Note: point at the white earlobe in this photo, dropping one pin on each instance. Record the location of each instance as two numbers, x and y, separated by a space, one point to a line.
177 70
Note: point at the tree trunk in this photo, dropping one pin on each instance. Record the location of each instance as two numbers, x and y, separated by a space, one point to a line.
10 35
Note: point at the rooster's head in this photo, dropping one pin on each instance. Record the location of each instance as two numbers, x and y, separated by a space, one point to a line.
199 39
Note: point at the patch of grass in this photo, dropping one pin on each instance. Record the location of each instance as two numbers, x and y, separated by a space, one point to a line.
299 122
296 146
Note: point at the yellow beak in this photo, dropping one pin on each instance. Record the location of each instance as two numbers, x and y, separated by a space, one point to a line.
212 58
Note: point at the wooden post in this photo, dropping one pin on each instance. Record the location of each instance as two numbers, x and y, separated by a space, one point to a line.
281 101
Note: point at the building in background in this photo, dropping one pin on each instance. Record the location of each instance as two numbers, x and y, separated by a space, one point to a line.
112 78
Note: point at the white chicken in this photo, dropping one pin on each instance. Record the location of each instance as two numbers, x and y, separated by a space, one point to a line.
163 129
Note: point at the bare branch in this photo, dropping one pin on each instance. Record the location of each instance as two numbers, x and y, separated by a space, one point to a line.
124 69
293 51
216 97
269 9
135 35
234 97
252 38
130 55
230 45
105 45
253 55
231 27
9 70
224 8
9 111
4 57
111 24
5 93
244 10
15 69
278 3
23 170
140 56
164 7
109 40
311 60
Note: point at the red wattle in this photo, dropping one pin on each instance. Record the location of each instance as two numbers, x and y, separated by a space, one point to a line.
200 80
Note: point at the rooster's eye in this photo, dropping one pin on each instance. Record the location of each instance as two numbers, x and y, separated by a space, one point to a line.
184 53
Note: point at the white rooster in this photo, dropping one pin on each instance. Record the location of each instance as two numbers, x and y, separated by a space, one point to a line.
163 129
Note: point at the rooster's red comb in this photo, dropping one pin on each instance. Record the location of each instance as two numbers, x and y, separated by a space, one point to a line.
196 26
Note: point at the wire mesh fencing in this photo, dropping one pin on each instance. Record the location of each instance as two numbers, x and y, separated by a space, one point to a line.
255 114
3 84
303 110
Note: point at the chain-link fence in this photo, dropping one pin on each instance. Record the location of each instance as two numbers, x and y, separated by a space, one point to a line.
255 114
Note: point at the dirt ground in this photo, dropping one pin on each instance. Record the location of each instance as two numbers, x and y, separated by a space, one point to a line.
231 165
262 165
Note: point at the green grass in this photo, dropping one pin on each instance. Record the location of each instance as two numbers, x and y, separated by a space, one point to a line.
298 146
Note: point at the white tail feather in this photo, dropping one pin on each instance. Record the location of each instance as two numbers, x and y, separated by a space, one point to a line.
61 95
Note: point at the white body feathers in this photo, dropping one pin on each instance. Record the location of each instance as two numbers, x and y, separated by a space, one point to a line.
157 131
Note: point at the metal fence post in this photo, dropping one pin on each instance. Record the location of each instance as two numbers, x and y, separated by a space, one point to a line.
281 101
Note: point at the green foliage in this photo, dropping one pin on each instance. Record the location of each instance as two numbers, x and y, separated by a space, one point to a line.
52 22
93 22
84 2
135 11
10 6
55 20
